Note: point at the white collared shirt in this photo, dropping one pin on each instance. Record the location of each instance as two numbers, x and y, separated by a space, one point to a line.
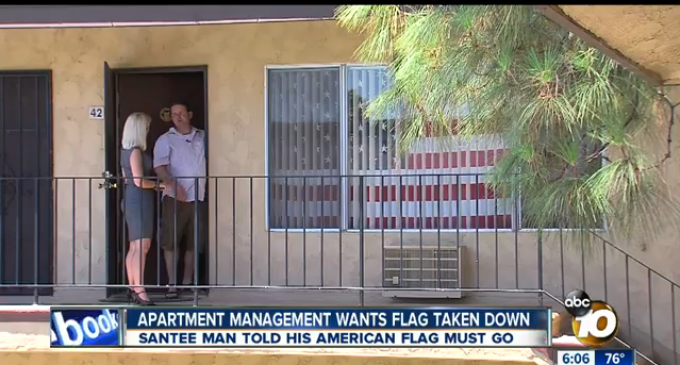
184 156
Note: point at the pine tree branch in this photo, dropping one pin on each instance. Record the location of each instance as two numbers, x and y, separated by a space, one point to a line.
562 173
669 135
631 117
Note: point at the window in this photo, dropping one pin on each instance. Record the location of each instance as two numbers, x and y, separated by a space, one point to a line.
303 112
322 148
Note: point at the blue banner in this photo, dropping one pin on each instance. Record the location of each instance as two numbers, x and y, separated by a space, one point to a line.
84 327
332 319
614 357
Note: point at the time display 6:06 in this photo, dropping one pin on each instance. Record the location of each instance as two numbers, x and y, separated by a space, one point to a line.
575 357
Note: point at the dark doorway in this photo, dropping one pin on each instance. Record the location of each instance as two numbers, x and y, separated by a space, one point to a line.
150 91
26 181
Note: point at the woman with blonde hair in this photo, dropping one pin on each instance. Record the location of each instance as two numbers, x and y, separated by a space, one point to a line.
138 200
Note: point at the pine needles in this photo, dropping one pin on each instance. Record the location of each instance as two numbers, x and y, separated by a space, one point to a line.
570 115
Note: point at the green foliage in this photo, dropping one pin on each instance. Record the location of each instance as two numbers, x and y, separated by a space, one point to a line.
559 105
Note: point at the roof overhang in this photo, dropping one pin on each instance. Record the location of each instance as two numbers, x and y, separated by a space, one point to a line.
643 38
98 16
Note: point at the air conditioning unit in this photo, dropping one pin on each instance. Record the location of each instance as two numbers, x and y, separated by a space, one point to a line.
422 267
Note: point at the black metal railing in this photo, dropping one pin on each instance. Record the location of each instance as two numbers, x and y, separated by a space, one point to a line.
447 235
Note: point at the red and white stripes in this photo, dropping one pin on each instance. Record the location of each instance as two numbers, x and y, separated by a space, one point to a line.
439 188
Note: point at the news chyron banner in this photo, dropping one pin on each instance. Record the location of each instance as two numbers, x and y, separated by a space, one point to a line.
445 327
85 327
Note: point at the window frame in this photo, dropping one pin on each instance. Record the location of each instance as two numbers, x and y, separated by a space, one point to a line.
344 184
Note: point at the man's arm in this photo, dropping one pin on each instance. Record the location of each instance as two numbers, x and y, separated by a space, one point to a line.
170 184
161 160
164 174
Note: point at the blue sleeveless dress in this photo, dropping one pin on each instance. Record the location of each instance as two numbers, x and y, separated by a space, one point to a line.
138 204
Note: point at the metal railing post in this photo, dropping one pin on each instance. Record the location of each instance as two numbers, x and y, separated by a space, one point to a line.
362 215
540 266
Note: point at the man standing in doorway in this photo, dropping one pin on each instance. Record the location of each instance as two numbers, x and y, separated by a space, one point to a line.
179 161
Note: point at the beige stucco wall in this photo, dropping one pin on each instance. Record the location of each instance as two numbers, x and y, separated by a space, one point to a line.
236 56
645 34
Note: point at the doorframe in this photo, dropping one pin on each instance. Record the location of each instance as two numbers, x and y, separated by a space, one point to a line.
110 162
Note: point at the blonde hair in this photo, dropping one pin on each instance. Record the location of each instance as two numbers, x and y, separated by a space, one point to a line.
135 131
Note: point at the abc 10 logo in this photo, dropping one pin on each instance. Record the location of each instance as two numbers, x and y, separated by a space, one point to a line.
595 322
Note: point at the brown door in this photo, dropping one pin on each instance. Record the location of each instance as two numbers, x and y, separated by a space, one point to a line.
25 181
153 93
